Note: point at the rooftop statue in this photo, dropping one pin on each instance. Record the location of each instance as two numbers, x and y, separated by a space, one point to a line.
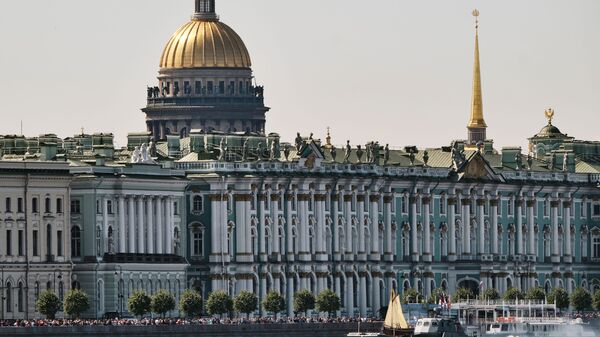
375 152
286 152
299 141
552 161
518 161
245 150
359 153
565 162
152 150
348 152
386 154
369 150
426 157
259 152
412 157
333 151
136 155
144 154
529 162
274 149
222 150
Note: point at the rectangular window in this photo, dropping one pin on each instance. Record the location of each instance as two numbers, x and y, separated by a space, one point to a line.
241 88
221 87
583 209
442 205
8 243
596 210
98 207
59 205
596 247
8 206
75 206
546 208
109 207
34 205
21 243
35 243
59 243
198 88
231 87
187 88
48 208
510 207
209 87
198 244
20 205
176 208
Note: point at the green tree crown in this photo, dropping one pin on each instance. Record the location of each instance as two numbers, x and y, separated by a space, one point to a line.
513 294
274 302
245 302
139 303
76 303
462 294
560 297
219 303
191 303
581 299
491 294
328 301
48 304
162 302
536 294
304 301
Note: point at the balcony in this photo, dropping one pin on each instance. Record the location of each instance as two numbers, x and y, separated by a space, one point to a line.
212 100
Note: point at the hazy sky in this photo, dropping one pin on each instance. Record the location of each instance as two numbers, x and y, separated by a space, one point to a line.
390 70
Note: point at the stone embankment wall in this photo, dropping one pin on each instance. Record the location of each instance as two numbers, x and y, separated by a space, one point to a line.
289 330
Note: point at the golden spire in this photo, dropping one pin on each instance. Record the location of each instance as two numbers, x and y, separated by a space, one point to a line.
476 124
328 139
477 120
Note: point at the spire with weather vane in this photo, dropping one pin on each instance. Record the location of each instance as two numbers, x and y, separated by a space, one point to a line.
477 126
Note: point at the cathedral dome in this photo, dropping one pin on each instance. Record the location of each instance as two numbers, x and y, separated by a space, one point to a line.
205 42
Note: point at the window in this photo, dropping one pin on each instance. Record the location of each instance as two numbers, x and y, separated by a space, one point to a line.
48 208
109 207
175 208
596 246
20 205
36 290
9 304
20 243
545 207
20 297
75 242
98 207
511 205
221 87
404 206
8 243
8 208
209 88
59 205
59 245
198 243
75 206
35 243
198 87
197 206
49 241
596 210
34 205
443 205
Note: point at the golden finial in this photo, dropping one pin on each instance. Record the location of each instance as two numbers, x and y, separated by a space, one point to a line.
549 115
476 15
328 138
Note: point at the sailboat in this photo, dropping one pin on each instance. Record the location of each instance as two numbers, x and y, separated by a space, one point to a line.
395 324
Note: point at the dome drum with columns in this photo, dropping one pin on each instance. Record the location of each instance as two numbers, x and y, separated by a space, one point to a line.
205 81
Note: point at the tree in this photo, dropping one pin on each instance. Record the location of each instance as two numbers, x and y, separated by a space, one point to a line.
512 294
48 304
139 303
162 302
328 301
581 299
435 296
190 303
596 300
76 302
560 296
491 294
536 294
219 303
245 302
411 295
304 301
462 294
274 302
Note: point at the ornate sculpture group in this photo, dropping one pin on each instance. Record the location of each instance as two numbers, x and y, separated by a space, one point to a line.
144 154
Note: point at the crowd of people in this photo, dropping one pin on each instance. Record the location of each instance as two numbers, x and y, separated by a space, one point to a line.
178 321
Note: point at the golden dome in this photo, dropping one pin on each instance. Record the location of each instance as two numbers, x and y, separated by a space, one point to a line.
205 44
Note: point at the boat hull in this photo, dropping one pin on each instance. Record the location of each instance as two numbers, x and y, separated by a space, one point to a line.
398 332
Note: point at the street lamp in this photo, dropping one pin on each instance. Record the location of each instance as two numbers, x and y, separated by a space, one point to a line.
120 286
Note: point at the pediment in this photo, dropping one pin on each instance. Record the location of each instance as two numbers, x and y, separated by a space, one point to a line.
477 168
311 150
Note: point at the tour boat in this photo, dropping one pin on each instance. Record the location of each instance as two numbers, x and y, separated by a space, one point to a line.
439 327
537 327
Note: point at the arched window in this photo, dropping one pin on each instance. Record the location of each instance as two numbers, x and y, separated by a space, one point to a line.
49 241
36 290
75 242
34 205
61 291
9 303
48 208
20 297
197 206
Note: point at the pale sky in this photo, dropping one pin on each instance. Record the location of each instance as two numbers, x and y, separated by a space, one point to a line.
395 71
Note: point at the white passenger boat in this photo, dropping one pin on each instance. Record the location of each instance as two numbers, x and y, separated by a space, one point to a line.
538 327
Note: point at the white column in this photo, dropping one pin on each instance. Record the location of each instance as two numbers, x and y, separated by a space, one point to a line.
290 295
387 220
150 217
481 226
320 225
374 216
122 228
262 236
348 219
567 231
240 230
427 252
555 248
141 228
362 296
131 221
494 224
169 226
360 224
159 226
104 226
274 223
289 239
376 294
531 226
451 229
413 228
519 225
466 205
350 294
214 224
334 226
